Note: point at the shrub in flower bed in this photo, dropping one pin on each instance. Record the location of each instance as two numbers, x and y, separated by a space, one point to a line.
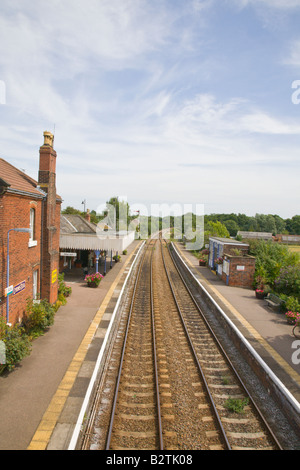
38 318
17 345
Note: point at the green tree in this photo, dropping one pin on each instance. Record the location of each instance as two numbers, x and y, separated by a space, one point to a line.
270 259
293 225
71 210
232 227
215 229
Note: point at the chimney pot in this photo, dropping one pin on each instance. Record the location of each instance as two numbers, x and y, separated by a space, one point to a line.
48 138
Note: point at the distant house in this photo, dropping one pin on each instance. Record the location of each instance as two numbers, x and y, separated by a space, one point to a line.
289 239
230 259
255 235
218 247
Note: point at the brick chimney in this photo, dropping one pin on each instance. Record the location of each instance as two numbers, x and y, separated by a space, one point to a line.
47 166
88 215
50 220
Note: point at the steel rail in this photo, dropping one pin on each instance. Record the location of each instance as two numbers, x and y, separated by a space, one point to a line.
109 434
161 444
227 444
226 356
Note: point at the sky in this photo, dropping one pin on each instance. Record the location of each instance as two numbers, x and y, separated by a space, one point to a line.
163 103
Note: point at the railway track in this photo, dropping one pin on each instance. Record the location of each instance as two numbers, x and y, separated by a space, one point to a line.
169 385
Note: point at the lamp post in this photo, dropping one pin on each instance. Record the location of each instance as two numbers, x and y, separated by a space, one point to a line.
23 230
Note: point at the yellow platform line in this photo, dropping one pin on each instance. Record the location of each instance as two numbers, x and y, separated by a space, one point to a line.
250 328
46 427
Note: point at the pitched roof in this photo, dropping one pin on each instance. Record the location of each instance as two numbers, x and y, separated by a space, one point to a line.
265 235
73 223
15 179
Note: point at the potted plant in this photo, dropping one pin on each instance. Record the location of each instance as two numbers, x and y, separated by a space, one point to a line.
202 262
93 280
260 293
262 289
117 258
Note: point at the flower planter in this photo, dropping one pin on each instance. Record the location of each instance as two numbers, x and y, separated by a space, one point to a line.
260 295
93 280
202 263
92 284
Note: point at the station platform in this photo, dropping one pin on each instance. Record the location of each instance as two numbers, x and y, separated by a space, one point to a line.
41 399
267 331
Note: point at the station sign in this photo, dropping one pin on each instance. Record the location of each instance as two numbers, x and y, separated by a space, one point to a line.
69 254
8 291
19 287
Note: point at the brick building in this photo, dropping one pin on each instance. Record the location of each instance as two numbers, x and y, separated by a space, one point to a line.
34 256
231 261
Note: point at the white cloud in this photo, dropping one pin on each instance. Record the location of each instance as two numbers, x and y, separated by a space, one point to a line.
139 97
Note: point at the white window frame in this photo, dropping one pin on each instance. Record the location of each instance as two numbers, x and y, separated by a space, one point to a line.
35 284
32 241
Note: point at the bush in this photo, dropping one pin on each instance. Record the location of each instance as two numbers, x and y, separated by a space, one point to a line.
271 259
288 281
39 316
292 304
62 287
17 344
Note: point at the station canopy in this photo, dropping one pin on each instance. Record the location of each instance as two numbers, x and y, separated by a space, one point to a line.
77 233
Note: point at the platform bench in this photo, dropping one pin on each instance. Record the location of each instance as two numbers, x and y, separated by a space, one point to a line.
274 302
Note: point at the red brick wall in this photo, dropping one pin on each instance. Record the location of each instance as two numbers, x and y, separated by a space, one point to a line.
15 213
25 259
238 277
51 230
51 224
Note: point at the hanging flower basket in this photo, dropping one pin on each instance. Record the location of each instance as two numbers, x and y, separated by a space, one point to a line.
93 280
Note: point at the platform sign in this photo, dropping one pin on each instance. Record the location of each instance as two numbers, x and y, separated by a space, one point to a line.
71 254
240 268
8 291
19 287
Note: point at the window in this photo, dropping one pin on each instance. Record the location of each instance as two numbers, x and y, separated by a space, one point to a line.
35 285
32 240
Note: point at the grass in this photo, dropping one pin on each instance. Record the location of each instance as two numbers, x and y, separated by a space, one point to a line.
294 248
236 405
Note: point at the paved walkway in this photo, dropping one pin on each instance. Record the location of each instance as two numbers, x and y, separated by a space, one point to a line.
41 399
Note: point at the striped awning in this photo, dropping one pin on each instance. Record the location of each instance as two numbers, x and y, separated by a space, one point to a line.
104 242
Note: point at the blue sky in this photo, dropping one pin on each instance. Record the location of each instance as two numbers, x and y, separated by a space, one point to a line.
156 101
